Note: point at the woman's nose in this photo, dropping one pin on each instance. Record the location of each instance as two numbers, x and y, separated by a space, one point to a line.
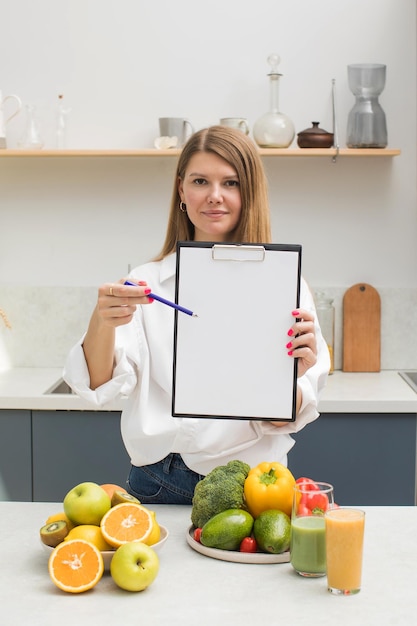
215 195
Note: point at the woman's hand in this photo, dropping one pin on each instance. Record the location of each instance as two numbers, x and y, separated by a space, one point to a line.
302 343
117 302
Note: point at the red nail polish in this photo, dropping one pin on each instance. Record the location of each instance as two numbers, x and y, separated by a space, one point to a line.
150 300
295 313
289 345
147 291
290 353
142 283
290 332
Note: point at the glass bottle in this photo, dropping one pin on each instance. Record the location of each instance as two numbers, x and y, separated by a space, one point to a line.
31 138
274 129
326 315
367 126
61 124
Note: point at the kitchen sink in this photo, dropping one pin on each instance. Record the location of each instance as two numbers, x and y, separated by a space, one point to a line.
410 378
61 387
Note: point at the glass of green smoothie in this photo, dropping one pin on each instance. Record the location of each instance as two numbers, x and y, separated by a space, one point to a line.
311 500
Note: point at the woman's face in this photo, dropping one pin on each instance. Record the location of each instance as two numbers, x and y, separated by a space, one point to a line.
211 192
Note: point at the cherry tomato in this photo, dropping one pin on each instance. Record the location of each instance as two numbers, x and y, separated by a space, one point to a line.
197 534
248 544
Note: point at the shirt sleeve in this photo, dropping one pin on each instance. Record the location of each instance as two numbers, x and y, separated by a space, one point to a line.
76 375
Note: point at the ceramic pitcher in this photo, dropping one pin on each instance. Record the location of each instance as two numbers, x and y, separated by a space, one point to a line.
4 120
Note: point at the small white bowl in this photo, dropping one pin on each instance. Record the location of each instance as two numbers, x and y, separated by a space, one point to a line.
108 554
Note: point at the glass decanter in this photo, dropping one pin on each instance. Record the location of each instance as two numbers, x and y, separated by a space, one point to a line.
31 138
326 316
274 129
366 127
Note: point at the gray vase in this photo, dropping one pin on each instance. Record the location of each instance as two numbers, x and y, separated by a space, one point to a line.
367 126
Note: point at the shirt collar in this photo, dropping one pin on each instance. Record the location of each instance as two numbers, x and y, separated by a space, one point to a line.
168 267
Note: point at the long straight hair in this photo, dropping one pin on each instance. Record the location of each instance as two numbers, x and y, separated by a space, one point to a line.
241 153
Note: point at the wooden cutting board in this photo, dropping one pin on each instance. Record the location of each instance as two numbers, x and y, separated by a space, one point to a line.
361 329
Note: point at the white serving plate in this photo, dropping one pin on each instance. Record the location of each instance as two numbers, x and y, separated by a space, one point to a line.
235 556
108 554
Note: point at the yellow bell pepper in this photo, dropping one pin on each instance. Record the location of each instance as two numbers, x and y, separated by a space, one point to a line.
269 486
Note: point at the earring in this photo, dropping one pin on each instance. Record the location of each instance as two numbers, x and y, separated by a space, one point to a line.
183 207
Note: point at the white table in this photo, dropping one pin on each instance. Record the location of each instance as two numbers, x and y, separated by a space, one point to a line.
192 589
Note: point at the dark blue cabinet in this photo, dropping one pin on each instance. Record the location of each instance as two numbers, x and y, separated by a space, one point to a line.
369 458
70 447
15 455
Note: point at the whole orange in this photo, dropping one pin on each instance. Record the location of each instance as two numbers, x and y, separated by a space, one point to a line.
58 517
110 488
90 533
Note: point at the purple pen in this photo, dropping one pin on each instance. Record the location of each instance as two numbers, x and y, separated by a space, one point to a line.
175 306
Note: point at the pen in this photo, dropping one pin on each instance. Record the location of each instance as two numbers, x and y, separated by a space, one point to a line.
175 306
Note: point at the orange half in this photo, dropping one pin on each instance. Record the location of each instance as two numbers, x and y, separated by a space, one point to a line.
126 522
75 565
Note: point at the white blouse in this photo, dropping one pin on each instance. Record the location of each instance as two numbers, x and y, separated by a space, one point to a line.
143 373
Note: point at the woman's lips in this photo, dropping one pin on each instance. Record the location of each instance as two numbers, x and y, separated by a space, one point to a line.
215 213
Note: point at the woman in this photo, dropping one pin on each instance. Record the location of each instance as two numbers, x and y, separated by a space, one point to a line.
220 194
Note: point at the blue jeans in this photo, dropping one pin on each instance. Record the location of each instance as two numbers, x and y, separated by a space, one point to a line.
169 481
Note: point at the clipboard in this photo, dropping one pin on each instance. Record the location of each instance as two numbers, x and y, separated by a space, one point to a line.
230 361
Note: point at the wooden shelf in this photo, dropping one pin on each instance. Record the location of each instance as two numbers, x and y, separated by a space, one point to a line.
272 152
332 152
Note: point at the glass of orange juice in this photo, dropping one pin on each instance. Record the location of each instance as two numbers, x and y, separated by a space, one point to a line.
344 549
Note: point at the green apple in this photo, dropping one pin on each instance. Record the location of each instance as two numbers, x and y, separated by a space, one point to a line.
86 504
134 566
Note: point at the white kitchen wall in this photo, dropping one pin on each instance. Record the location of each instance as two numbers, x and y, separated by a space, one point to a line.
77 222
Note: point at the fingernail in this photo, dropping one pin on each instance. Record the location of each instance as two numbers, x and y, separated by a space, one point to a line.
290 332
142 283
150 300
290 353
147 291
289 345
295 313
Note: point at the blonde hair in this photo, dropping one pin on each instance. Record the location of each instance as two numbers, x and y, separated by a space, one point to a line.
240 152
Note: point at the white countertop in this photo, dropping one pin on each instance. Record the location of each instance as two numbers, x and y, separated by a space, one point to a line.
382 392
379 392
194 589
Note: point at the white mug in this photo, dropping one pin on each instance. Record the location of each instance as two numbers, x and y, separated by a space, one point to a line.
240 123
178 127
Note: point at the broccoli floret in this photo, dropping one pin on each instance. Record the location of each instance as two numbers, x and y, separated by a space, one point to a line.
220 490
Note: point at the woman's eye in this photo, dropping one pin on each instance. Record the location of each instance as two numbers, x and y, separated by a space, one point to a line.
232 183
199 181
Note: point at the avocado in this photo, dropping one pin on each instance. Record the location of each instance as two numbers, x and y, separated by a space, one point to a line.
226 530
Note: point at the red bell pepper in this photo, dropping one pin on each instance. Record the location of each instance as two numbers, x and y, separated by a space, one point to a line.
314 502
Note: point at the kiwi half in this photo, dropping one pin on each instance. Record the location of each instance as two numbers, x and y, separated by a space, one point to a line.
52 534
122 496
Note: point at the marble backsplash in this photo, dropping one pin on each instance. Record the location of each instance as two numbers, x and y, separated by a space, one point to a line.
46 321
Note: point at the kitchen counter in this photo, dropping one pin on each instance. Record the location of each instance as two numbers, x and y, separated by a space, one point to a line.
382 392
192 588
